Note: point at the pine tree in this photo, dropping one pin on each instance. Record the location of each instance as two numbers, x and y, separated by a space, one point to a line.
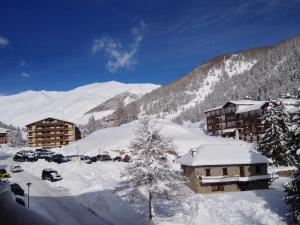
16 137
293 198
150 174
91 126
275 143
296 132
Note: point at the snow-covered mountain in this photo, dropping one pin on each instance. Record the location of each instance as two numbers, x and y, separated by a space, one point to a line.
30 106
258 72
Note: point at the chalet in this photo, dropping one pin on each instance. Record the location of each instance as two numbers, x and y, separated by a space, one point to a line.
225 167
51 132
3 136
237 119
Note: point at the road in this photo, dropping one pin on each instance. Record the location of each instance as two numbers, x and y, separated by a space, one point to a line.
52 203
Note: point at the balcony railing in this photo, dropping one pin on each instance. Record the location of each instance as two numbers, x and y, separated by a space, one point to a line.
225 179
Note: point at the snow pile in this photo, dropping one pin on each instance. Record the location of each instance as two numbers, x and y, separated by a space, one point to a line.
31 106
222 154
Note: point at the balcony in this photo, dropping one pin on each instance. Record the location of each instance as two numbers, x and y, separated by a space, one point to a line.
225 179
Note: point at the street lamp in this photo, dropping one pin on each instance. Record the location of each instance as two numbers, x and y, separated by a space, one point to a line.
28 185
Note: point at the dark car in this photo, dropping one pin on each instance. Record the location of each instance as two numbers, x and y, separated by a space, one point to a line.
94 159
20 201
126 158
19 158
104 158
85 158
58 158
118 158
50 174
16 189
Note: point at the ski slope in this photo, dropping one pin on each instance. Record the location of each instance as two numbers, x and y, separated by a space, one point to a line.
30 106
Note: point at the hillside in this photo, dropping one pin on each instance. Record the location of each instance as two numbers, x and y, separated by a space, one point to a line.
29 106
259 73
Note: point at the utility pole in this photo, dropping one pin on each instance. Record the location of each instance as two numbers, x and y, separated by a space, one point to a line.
28 186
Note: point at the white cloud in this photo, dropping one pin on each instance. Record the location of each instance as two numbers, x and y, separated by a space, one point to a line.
26 75
3 41
118 58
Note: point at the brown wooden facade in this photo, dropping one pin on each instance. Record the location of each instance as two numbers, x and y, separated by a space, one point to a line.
227 122
51 132
3 137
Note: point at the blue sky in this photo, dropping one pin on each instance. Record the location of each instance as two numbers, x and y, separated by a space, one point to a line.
62 44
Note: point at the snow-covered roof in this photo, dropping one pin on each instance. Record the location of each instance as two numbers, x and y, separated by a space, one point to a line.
247 102
2 130
292 109
252 104
215 108
222 154
246 108
230 130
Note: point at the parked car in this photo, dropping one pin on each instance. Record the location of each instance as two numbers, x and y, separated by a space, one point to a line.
89 162
126 158
19 158
85 158
45 155
118 158
58 158
4 174
16 169
16 189
104 158
94 159
50 174
20 201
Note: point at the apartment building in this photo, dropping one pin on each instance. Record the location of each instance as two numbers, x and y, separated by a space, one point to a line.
3 136
237 119
51 132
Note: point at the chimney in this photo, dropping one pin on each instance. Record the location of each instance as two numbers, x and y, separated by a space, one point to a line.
193 152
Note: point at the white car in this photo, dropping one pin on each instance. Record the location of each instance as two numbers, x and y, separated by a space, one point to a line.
16 169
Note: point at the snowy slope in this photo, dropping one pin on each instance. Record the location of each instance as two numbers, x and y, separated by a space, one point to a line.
30 106
119 138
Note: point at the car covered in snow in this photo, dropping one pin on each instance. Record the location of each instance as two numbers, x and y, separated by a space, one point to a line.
16 169
16 189
4 174
50 174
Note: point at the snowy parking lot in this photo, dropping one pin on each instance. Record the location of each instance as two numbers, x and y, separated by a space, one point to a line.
86 196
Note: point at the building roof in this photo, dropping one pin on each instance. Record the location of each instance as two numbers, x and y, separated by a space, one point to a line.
222 154
246 108
3 131
215 108
242 103
47 119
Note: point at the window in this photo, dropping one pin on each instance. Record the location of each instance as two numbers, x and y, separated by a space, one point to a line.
207 172
242 171
258 169
225 172
217 187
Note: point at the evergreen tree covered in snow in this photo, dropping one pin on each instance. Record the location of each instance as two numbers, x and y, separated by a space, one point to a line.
150 174
275 143
293 198
16 137
91 126
296 131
